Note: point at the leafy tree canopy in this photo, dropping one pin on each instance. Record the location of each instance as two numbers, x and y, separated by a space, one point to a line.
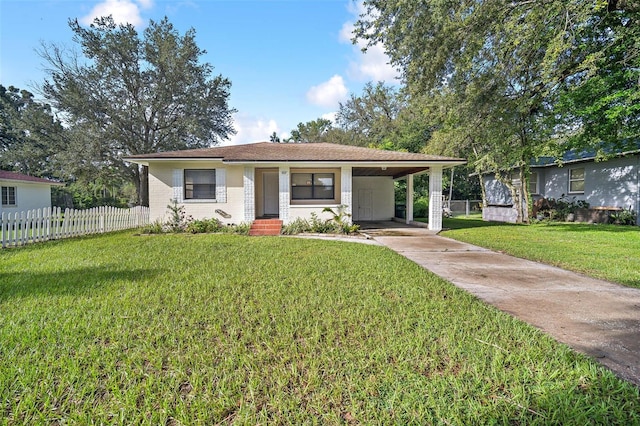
31 138
312 131
137 93
577 61
509 81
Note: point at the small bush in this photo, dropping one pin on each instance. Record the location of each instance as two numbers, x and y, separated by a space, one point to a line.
204 226
179 222
340 220
155 227
298 226
624 217
240 229
320 226
178 219
557 209
338 224
421 207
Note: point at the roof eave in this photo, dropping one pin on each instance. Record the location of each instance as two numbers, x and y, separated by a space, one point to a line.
365 163
584 159
30 182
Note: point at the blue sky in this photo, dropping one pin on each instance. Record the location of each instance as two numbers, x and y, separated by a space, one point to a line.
289 61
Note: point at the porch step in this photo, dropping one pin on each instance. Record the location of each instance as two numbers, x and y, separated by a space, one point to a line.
266 227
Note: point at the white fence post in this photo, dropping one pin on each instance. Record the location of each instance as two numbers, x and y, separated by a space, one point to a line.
3 235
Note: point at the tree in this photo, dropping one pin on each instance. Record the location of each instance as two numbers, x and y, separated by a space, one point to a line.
600 109
502 64
312 131
274 138
138 93
31 138
370 117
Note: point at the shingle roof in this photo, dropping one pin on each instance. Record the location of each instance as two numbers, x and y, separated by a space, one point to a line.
275 152
5 175
574 155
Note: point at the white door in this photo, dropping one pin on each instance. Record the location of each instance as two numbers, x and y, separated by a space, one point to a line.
365 204
270 193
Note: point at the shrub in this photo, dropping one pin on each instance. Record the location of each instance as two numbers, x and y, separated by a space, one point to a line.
321 226
178 219
624 217
557 209
298 226
240 229
421 207
340 220
180 222
155 227
204 226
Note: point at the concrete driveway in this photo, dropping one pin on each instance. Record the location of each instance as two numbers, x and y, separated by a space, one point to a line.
595 317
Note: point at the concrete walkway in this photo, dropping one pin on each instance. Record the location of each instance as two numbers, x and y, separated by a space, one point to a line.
594 317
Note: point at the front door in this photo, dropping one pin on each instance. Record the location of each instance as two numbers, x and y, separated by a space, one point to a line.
270 193
365 204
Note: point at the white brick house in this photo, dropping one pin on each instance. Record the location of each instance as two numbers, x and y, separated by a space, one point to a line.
241 183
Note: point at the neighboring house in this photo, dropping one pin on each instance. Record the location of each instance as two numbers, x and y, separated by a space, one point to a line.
610 184
241 183
21 192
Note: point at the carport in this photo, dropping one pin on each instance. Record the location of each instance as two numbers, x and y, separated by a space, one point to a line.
404 172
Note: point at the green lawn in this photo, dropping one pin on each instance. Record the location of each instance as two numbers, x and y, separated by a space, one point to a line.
206 329
609 252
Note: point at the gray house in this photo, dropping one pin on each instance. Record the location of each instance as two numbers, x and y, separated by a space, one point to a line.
606 185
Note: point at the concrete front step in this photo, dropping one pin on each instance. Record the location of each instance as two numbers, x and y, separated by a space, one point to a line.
266 227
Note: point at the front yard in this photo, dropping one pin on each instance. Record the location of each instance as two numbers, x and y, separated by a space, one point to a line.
206 329
609 252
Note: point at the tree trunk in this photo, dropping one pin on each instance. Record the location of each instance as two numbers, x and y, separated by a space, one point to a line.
526 198
483 190
516 196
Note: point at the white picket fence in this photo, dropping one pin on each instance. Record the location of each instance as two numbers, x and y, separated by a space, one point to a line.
32 226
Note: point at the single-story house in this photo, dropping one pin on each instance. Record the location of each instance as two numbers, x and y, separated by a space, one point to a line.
607 185
242 183
22 192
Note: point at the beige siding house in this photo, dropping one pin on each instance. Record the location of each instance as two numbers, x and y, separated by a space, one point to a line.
242 183
22 192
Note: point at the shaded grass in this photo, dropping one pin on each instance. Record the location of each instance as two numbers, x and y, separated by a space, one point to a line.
181 329
609 252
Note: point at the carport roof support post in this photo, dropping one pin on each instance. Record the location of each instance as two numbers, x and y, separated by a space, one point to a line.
409 212
435 198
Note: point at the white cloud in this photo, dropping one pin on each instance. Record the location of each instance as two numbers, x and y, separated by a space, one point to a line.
123 11
330 116
372 64
329 93
252 129
146 4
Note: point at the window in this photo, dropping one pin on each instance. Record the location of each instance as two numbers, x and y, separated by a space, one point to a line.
533 183
200 184
8 195
576 180
312 186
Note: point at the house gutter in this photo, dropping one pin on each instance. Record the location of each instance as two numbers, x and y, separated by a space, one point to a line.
355 163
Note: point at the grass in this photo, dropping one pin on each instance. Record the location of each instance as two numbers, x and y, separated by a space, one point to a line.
208 329
609 252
